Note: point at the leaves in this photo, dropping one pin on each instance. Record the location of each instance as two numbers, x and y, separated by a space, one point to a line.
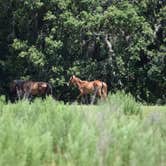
54 39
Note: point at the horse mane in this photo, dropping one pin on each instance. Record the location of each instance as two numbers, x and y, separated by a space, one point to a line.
79 79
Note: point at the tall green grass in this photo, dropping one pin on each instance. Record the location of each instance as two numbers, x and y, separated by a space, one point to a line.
50 133
124 102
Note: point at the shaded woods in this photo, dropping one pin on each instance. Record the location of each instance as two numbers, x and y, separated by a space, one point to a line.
119 42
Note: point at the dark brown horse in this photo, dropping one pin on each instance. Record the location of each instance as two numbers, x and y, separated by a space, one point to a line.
20 89
95 87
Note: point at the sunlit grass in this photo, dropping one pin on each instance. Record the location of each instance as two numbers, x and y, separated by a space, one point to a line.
116 132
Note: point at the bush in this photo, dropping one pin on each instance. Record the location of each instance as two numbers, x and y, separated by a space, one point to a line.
52 133
124 102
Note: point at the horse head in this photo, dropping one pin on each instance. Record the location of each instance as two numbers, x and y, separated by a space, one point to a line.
73 80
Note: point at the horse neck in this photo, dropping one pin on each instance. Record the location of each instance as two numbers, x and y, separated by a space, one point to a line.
79 82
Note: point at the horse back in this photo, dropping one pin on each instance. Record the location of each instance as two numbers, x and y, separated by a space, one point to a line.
97 83
38 88
42 84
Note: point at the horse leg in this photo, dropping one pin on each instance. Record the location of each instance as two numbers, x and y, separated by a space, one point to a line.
21 94
43 96
27 95
18 93
7 97
100 94
104 91
86 99
80 95
31 98
94 96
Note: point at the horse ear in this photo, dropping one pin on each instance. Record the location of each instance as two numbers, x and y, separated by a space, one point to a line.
71 77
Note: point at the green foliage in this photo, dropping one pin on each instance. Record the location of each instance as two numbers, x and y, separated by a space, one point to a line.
51 40
19 45
126 102
51 133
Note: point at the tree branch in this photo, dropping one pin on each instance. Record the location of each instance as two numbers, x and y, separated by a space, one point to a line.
108 44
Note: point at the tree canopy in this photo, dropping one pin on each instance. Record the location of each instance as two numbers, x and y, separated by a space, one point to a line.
122 42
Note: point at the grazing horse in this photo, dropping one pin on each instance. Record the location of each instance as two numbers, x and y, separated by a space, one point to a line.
33 89
95 87
20 89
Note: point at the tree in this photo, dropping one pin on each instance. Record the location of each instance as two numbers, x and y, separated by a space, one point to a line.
120 42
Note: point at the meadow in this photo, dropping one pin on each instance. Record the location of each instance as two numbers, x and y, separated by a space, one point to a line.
118 132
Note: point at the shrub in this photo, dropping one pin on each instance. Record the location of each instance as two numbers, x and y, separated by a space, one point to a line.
52 133
124 102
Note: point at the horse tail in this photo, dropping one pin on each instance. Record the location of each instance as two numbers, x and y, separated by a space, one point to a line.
49 89
104 89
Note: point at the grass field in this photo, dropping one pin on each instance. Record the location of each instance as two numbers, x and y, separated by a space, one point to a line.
119 132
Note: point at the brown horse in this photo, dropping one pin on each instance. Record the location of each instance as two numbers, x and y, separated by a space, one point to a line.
20 89
32 89
95 87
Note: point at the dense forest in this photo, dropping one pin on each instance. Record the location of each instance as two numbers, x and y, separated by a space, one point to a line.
122 42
